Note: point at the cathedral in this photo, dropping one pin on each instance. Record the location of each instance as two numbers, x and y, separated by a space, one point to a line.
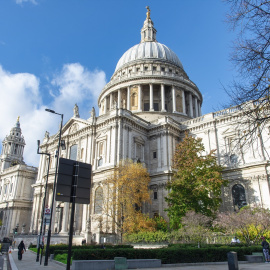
144 112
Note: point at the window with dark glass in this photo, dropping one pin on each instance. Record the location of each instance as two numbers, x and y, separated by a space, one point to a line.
155 195
239 196
154 154
155 106
146 107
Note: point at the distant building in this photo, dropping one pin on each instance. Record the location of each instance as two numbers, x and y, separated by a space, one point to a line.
16 192
143 113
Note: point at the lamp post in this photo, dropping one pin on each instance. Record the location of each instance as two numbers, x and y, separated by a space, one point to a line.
54 187
44 199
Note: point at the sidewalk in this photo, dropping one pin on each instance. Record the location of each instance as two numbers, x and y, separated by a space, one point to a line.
29 263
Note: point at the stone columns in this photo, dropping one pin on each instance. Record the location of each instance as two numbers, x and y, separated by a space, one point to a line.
128 98
105 105
196 107
162 98
190 105
184 102
111 101
151 105
173 100
65 218
199 109
119 98
139 98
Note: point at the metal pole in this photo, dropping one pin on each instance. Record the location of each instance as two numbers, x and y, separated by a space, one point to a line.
54 187
73 196
44 202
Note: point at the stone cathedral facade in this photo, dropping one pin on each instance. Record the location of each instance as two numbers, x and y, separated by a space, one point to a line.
143 113
16 180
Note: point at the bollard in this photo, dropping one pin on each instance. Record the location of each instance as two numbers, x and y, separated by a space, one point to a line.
232 260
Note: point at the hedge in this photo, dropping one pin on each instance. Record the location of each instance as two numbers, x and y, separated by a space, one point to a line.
167 255
63 247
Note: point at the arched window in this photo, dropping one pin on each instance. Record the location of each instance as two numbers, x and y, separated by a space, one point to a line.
98 200
239 196
73 152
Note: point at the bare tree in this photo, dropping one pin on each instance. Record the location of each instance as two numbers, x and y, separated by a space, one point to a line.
249 95
249 223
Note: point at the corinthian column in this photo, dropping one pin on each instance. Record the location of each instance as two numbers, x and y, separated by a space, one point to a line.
163 98
173 99
139 98
190 105
184 102
128 98
151 97
119 98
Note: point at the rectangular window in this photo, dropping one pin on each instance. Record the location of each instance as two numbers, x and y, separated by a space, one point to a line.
163 69
146 107
145 68
156 107
155 195
73 152
155 154
154 68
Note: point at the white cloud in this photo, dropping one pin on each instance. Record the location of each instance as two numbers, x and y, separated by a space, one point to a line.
22 1
77 85
21 96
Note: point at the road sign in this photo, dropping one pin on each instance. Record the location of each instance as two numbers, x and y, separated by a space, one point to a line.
47 215
47 211
66 172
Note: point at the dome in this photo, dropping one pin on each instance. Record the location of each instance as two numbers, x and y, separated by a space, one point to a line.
149 50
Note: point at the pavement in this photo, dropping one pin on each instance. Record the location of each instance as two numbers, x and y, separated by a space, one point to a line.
28 262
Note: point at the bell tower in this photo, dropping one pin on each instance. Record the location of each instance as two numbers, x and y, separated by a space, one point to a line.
12 147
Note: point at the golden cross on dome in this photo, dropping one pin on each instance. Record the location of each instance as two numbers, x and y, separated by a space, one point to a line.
148 12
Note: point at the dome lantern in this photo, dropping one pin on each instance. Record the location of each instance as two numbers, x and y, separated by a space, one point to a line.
148 32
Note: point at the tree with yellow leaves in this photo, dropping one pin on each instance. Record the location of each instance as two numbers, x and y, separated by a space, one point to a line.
126 193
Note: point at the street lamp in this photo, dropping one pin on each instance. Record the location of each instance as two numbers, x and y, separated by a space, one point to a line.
54 187
44 199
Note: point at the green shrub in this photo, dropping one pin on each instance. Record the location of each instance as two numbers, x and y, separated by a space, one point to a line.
64 247
167 255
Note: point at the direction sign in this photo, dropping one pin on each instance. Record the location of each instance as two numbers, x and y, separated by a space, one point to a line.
66 172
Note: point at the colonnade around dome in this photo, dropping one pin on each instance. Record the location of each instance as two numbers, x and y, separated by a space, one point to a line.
152 97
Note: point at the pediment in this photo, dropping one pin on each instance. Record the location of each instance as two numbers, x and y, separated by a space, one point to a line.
73 125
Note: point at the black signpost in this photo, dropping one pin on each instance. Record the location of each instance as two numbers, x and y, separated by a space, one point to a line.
73 186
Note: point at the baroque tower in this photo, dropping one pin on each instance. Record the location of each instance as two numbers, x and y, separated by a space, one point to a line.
13 147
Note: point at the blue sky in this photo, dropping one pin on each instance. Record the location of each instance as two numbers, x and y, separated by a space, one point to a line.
55 53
